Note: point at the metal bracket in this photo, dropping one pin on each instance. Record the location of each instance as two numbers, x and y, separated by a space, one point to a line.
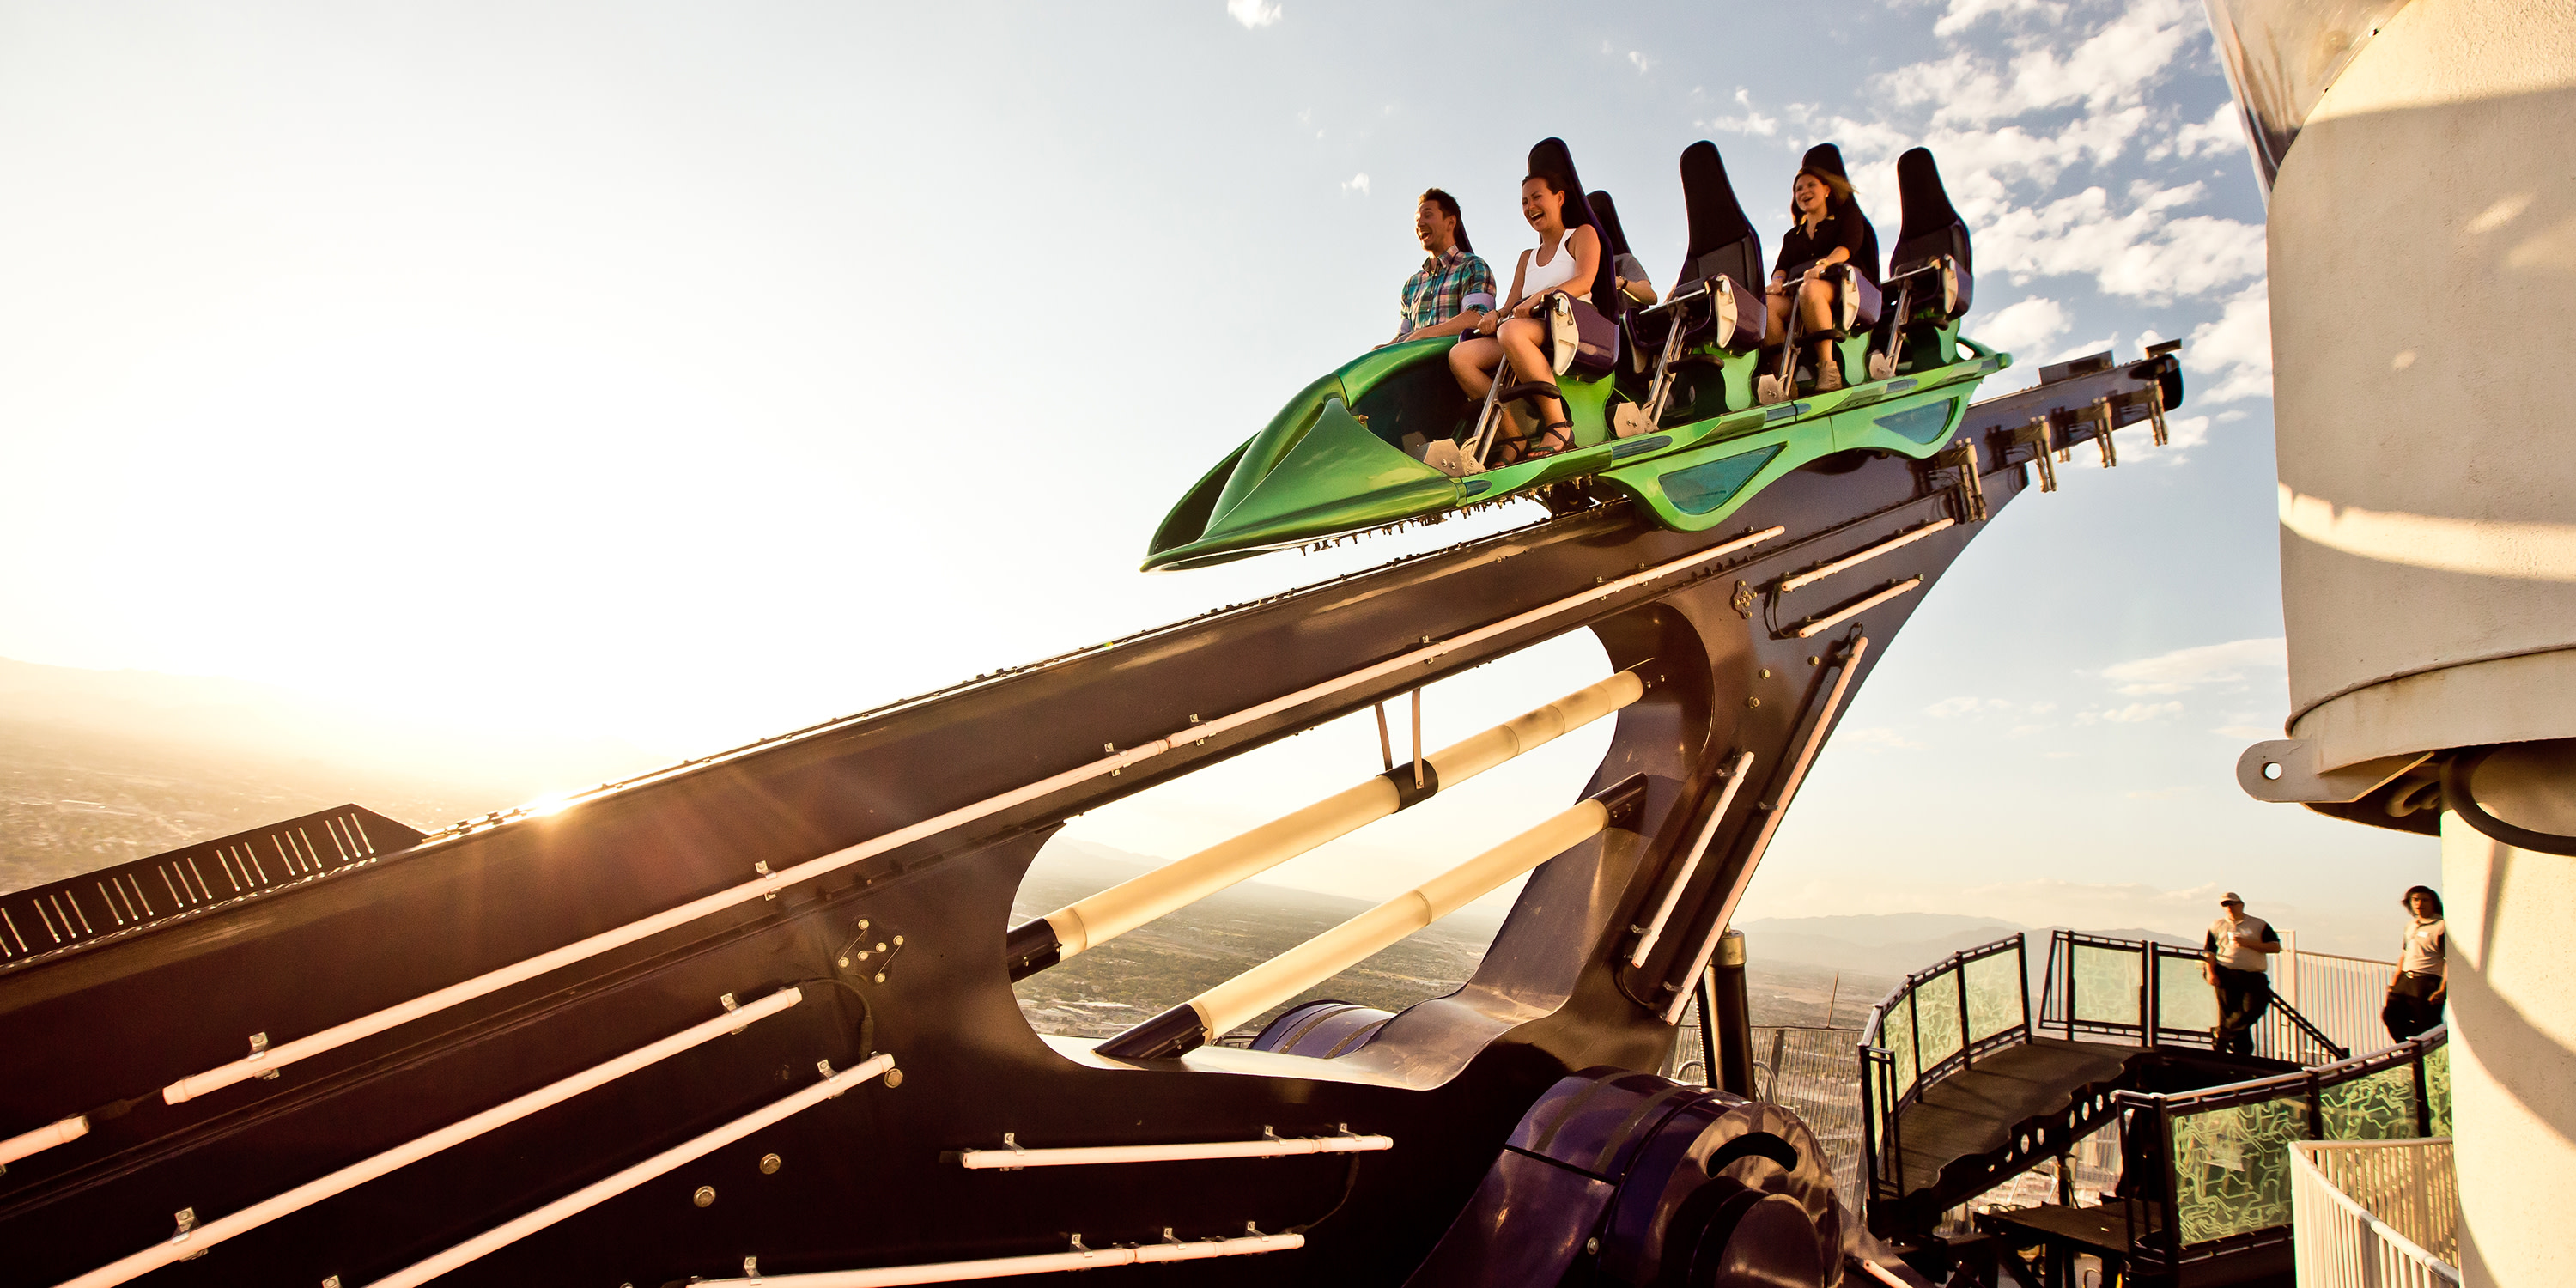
258 1048
1971 490
2285 772
2036 434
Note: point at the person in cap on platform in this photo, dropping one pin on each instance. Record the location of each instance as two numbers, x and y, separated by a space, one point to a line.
2423 979
2233 961
1454 288
1827 229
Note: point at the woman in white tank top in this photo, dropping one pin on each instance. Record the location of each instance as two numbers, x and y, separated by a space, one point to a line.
1566 259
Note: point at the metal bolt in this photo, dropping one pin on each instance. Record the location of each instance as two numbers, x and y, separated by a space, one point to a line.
1815 661
898 941
880 977
881 947
894 1077
1764 673
1592 1245
331 1281
1753 702
769 1164
845 962
863 923
705 1196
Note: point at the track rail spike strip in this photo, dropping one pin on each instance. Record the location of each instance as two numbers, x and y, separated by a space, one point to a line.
431 1003
1089 922
196 1241
600 1191
949 1272
1008 1160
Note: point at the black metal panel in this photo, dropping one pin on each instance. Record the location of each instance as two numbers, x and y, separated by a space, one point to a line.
862 1179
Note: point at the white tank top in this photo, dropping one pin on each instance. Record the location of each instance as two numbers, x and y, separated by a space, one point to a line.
1537 277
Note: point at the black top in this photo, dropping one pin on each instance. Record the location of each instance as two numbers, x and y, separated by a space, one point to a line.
1799 247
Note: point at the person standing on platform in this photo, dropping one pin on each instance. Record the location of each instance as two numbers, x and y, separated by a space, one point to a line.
2423 978
2232 960
1453 290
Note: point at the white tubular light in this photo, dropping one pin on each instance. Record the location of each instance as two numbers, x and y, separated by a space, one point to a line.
1775 810
1091 922
1699 850
339 1035
1854 609
949 1272
1270 1147
216 1231
1898 541
1318 959
597 1192
60 1132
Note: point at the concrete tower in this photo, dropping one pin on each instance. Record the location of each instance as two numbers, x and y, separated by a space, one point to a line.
2421 162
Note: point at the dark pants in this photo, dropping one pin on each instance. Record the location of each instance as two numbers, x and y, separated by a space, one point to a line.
2411 1008
2243 995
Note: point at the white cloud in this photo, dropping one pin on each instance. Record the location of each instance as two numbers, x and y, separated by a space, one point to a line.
2187 668
2221 134
1877 738
2145 253
1964 14
2112 68
1644 64
2134 713
1965 706
1358 183
2023 327
2234 352
1252 13
1751 122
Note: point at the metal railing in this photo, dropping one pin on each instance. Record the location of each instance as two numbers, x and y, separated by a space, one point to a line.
1938 1022
2214 1164
1807 1069
2341 995
2151 994
2374 1214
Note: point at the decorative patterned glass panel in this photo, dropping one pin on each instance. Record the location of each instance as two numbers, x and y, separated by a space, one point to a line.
2106 984
2379 1106
1897 1034
2231 1167
2184 1000
1994 995
2437 1087
1936 1017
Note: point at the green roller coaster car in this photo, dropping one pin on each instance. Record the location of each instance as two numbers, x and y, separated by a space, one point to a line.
1682 436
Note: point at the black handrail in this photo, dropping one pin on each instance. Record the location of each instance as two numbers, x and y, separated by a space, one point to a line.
2064 1011
1882 1147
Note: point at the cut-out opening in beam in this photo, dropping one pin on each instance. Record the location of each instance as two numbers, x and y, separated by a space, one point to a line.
1211 1014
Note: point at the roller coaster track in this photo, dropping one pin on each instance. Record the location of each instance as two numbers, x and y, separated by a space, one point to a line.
757 1006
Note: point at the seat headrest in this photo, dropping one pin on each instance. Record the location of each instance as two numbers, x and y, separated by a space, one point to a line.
1932 225
1722 240
1552 158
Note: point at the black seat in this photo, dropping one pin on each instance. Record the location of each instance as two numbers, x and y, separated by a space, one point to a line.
1622 261
1595 338
1724 249
1932 251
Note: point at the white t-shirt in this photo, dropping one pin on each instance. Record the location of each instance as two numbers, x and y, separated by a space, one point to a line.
2226 948
2423 952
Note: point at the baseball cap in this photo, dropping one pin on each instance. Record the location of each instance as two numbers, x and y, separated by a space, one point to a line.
2229 897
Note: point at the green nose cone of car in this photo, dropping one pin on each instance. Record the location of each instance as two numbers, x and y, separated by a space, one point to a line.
1316 470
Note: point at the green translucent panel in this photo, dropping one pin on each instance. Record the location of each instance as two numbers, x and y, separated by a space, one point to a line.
2380 1106
2184 999
1936 1017
2231 1167
1925 424
1702 488
1897 1035
2437 1088
1994 995
2106 983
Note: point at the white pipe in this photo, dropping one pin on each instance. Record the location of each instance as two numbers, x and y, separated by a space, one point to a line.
1902 539
597 1192
1773 811
949 1272
1673 893
59 1132
1090 922
771 883
1318 959
1822 624
193 1242
1007 1160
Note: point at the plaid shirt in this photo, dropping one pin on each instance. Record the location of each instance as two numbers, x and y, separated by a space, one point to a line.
1445 286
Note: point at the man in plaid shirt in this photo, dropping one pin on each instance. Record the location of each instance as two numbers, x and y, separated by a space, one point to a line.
1452 290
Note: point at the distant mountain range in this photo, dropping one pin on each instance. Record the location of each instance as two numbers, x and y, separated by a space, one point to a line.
1898 944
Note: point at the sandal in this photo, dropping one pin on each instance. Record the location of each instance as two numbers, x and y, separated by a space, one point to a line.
1560 430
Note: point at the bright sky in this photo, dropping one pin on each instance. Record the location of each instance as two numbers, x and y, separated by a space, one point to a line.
688 372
